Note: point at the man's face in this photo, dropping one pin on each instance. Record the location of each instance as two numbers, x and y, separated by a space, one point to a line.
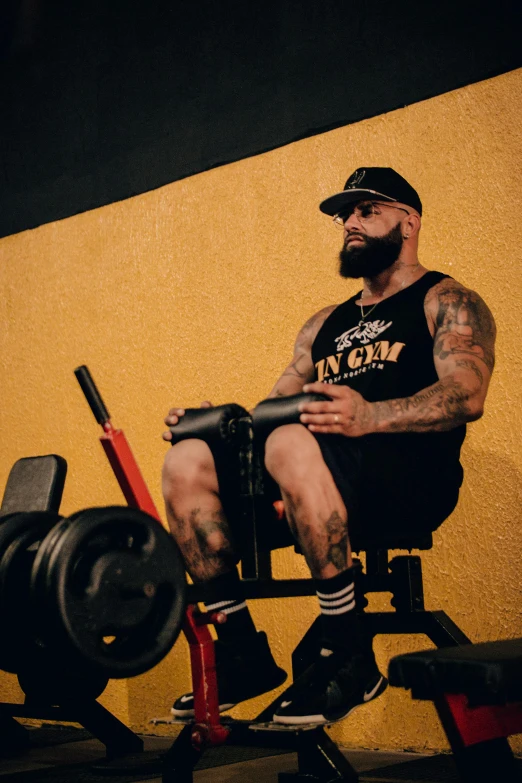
372 245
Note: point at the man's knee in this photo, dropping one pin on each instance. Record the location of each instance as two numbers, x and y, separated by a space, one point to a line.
189 467
291 450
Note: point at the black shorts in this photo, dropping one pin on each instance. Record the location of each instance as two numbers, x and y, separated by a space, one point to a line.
392 487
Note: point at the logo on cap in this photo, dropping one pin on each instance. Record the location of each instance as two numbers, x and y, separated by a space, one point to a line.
356 178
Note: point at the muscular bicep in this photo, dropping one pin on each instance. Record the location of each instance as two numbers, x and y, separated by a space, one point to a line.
293 378
464 338
301 368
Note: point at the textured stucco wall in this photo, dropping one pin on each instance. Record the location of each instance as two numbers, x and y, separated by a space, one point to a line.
197 290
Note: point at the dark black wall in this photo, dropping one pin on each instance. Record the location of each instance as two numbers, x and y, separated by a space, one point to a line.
104 100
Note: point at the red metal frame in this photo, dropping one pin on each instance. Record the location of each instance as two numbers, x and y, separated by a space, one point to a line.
126 470
207 729
479 724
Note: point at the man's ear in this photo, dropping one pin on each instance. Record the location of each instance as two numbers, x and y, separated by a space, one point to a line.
411 225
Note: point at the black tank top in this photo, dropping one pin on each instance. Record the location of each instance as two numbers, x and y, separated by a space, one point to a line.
388 354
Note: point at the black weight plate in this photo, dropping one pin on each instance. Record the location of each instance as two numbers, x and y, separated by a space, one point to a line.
20 536
49 679
43 601
110 585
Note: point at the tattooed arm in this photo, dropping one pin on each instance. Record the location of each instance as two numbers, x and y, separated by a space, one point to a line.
301 368
463 351
463 332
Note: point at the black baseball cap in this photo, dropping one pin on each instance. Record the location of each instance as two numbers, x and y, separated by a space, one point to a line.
372 183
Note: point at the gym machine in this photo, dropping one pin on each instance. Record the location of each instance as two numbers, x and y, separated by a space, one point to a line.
232 434
104 595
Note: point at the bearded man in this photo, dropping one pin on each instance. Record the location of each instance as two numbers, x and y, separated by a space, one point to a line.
406 363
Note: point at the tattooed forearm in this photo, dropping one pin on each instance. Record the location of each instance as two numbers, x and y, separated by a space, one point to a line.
464 325
443 406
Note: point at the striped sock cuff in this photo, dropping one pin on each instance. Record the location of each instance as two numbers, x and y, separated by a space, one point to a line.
339 602
226 607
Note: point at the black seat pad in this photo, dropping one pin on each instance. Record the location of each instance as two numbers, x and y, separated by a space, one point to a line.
488 673
35 484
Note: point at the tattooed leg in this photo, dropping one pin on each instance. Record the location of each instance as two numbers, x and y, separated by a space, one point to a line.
194 511
315 510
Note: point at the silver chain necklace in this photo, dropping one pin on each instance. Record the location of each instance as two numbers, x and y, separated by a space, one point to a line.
363 316
370 311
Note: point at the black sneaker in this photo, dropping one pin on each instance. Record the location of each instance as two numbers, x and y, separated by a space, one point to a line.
241 675
331 688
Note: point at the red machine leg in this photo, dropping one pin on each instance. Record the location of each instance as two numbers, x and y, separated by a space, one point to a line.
207 729
479 724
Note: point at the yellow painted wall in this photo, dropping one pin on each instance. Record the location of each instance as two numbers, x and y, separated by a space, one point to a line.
197 290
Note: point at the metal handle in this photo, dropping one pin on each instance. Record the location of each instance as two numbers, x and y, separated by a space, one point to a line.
92 395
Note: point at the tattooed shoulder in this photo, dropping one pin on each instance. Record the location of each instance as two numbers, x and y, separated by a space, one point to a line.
463 323
309 331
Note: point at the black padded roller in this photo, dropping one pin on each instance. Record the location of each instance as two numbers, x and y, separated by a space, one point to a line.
212 425
277 411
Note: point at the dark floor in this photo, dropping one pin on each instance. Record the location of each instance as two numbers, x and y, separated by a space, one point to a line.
70 762
41 760
264 770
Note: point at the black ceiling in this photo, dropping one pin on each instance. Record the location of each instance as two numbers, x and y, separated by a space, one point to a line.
104 100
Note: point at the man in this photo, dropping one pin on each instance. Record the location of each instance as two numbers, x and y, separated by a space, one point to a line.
406 363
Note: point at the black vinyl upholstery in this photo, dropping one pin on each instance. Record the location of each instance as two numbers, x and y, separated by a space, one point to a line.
35 484
488 673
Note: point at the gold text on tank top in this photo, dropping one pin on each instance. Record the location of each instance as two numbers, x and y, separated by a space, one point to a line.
381 351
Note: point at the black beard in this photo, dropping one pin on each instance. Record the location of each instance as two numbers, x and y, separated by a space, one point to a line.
373 256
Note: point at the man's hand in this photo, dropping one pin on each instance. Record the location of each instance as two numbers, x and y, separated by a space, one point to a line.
175 414
348 413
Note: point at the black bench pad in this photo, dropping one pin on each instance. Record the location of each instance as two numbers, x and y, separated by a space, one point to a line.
487 673
35 484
